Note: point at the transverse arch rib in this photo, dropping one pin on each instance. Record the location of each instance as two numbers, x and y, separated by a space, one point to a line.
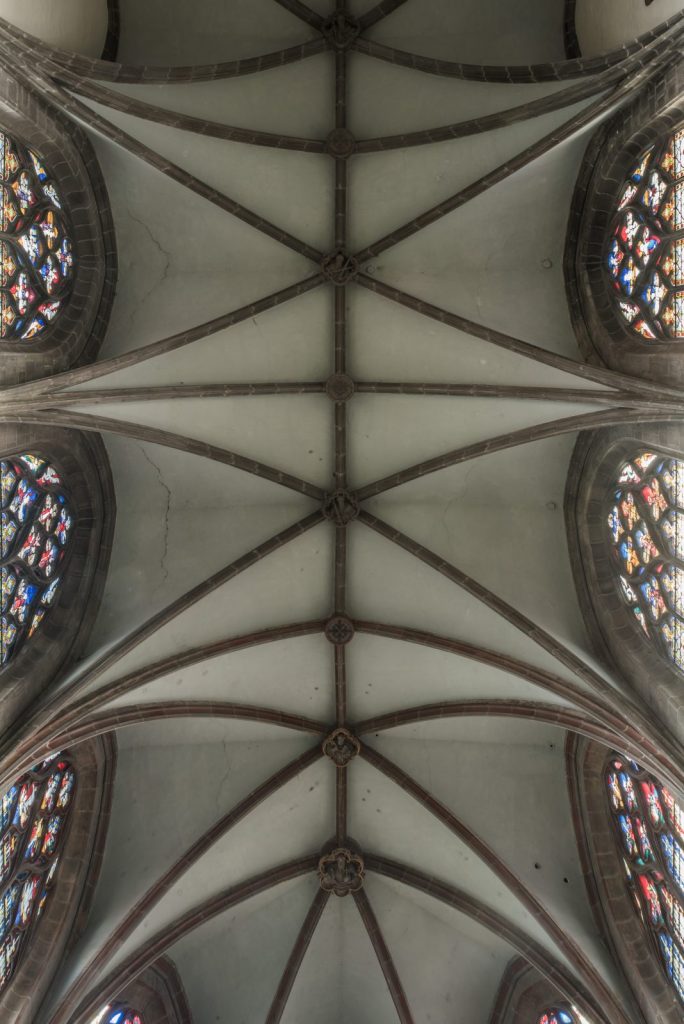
598 374
83 374
642 716
154 435
526 156
548 72
43 711
168 74
68 102
595 706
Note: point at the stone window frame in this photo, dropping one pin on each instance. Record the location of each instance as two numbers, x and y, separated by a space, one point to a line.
603 337
76 334
523 995
158 995
66 912
615 634
82 460
627 939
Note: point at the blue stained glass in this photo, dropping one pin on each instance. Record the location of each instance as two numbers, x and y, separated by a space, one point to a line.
628 276
35 811
615 258
7 808
27 796
23 600
655 890
8 956
50 794
628 835
674 857
7 851
30 492
673 961
50 592
8 529
41 173
28 896
649 210
8 905
655 294
23 500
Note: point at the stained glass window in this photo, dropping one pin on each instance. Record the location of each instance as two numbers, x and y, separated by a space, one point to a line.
649 829
36 254
33 817
557 1016
645 258
645 522
117 1013
36 523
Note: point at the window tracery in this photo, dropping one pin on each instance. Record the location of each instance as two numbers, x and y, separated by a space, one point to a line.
36 252
118 1013
33 817
645 257
36 523
649 829
646 532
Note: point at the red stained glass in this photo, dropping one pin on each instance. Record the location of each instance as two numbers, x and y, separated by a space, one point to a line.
644 262
32 831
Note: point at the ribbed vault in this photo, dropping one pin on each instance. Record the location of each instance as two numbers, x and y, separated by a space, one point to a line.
339 392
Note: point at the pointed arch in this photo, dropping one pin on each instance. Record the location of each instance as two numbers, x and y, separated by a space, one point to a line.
610 889
49 165
622 262
80 848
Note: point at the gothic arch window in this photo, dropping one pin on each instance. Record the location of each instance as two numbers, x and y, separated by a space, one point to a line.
156 996
624 513
527 997
649 830
34 816
645 258
35 530
36 251
627 825
645 524
624 252
57 245
57 512
53 823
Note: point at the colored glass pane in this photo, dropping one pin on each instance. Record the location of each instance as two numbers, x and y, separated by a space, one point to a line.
645 263
648 830
32 826
645 525
36 255
117 1013
36 524
555 1015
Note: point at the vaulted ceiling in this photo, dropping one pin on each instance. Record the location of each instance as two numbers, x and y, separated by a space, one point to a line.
265 684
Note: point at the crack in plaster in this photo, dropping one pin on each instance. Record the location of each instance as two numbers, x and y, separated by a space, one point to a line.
166 256
165 551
